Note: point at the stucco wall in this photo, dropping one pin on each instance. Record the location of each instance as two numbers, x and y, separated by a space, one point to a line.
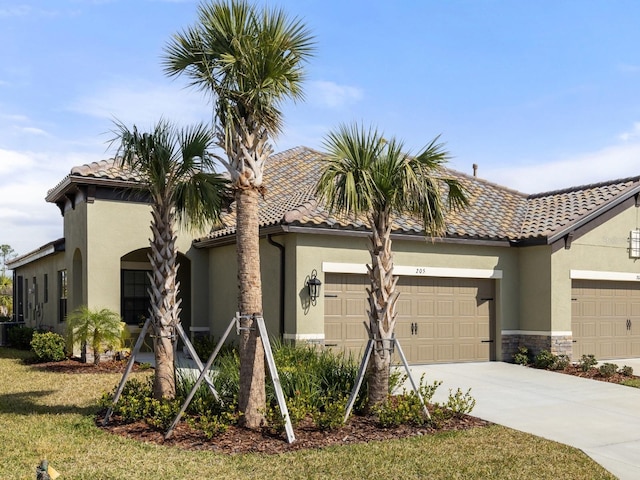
42 313
535 288
603 249
223 287
313 250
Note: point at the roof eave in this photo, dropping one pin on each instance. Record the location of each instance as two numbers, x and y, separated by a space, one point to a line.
44 251
71 182
633 192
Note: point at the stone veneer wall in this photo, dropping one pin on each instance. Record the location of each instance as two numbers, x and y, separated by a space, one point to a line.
556 344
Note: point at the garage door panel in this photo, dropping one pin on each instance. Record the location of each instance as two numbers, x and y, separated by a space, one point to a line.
467 308
355 307
468 330
403 306
444 308
445 353
603 318
425 308
438 319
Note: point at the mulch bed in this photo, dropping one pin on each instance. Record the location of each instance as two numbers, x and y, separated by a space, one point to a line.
359 429
594 374
74 365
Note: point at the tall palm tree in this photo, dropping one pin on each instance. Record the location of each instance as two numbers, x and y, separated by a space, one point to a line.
365 174
250 60
176 171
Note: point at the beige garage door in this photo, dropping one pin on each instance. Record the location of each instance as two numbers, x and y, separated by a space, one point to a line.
605 319
439 319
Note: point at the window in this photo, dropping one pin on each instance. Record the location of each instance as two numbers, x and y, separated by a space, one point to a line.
135 305
634 247
62 295
26 298
46 288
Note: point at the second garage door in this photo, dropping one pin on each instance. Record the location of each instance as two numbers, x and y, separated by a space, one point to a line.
605 319
439 319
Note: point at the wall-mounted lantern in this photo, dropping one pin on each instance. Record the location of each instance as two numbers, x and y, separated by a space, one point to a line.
313 284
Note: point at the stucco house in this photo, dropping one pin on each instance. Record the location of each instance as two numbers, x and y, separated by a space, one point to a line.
557 270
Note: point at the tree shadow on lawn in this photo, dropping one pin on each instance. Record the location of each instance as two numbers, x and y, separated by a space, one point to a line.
26 403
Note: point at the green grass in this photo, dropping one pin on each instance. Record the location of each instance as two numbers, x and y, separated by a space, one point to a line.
632 382
51 415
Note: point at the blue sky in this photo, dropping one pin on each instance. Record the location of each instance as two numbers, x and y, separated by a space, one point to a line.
541 95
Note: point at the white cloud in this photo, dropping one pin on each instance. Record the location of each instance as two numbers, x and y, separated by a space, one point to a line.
15 11
331 95
634 132
35 131
610 163
12 161
144 104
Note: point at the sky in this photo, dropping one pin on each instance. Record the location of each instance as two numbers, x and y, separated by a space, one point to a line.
540 95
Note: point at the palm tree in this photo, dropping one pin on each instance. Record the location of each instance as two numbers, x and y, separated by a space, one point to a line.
367 175
250 61
175 169
99 328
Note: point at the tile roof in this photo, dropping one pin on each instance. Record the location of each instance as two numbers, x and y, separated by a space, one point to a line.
103 172
494 212
552 212
107 169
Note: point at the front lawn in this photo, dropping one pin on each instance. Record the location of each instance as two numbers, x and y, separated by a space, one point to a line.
44 414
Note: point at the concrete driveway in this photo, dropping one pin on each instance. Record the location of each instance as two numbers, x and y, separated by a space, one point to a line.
601 419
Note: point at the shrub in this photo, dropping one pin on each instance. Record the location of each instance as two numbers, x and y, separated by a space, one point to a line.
522 357
586 362
48 346
545 359
404 409
132 403
331 415
20 337
608 369
562 362
213 425
627 371
459 403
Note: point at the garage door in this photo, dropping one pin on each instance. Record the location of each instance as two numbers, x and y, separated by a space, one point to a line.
605 319
439 319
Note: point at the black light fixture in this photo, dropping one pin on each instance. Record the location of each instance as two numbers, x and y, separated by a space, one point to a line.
313 284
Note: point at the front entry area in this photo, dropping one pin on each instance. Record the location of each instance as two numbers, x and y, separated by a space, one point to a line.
605 319
440 320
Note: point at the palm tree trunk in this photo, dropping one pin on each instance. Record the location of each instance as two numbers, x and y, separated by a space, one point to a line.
382 306
252 396
165 308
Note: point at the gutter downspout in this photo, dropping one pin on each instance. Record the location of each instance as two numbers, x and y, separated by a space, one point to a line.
282 270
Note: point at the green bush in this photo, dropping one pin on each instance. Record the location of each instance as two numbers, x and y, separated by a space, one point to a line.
587 362
403 409
545 359
331 416
608 369
523 356
132 403
627 371
459 403
20 337
562 362
48 346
